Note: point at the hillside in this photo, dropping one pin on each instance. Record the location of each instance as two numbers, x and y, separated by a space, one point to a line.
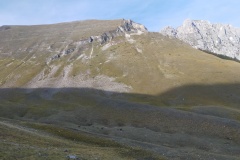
114 80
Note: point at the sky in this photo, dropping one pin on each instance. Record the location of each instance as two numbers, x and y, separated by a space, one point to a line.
154 14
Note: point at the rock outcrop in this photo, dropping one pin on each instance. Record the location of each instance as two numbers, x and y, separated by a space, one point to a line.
127 27
219 39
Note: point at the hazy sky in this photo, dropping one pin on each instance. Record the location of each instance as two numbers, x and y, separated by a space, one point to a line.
154 14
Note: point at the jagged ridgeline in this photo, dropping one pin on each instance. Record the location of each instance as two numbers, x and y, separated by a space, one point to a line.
220 39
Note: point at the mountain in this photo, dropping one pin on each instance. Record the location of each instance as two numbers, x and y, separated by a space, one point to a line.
50 53
220 39
112 90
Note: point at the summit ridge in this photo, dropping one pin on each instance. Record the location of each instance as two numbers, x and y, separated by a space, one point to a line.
220 39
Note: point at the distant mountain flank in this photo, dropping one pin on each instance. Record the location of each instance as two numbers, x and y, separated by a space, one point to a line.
220 39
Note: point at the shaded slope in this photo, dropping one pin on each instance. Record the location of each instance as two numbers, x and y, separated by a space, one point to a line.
164 130
20 141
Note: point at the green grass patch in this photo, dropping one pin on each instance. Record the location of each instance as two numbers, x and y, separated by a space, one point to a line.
125 151
75 136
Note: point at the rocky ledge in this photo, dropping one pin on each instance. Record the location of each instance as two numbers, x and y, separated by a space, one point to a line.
127 27
220 39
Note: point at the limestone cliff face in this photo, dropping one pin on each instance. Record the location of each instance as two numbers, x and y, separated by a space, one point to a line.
220 39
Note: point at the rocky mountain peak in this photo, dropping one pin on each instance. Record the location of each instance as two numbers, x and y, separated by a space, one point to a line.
131 26
135 26
221 39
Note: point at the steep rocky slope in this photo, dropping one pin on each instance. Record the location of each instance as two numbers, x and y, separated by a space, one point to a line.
219 39
113 80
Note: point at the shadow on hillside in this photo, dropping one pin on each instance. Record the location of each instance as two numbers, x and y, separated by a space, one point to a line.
188 95
53 103
218 94
90 108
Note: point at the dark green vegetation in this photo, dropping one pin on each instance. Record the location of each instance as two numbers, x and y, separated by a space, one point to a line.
133 97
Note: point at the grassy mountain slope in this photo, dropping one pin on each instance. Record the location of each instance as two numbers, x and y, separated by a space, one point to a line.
135 88
19 141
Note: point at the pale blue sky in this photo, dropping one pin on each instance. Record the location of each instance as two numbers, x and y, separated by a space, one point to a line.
154 14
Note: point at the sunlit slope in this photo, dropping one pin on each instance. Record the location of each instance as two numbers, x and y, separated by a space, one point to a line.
17 39
25 50
145 63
